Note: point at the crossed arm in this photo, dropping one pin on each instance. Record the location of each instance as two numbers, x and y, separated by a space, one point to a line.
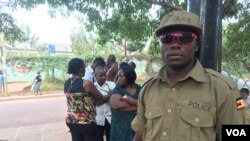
125 104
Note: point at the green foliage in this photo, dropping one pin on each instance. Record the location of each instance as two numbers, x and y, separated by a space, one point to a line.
154 49
236 42
109 48
237 36
30 4
133 21
47 64
234 9
9 28
50 84
82 42
30 38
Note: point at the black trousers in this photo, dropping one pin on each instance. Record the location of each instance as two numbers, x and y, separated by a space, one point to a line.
83 132
104 129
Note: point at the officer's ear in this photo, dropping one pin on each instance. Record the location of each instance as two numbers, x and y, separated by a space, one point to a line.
197 50
197 46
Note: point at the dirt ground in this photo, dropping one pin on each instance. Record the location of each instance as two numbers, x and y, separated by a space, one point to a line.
21 88
14 87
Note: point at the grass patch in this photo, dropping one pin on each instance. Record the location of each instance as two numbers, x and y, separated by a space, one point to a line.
52 84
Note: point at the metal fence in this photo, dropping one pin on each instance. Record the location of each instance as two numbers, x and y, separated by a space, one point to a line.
236 57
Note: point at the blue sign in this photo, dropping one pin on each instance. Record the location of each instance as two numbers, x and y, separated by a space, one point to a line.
51 49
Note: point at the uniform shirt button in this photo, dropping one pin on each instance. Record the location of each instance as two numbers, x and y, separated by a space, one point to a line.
196 119
164 133
169 110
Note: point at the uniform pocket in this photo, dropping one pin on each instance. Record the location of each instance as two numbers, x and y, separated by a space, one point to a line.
197 118
154 121
197 125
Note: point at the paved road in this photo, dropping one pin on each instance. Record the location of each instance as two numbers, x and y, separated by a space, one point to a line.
33 119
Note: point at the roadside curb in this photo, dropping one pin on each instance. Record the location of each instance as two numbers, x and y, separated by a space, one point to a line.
10 98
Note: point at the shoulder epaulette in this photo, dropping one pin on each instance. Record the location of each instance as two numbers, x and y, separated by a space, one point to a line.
229 81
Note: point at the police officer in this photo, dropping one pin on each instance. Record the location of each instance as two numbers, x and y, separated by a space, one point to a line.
184 101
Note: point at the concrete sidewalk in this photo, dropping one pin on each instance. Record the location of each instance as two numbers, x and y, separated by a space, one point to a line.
20 97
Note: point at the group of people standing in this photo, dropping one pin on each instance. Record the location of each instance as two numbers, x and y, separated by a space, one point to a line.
183 102
101 99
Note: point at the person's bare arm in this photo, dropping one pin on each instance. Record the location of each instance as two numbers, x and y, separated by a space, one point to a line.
112 71
129 100
128 109
114 67
102 102
118 104
93 91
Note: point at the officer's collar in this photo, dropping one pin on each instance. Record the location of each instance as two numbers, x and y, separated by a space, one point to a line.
197 73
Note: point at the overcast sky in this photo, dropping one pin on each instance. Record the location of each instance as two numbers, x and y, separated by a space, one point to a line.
54 30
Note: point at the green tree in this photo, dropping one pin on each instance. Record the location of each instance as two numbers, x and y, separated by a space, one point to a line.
82 42
133 21
236 39
29 37
8 26
42 63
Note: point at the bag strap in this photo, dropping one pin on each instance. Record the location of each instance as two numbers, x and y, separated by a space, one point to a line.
71 82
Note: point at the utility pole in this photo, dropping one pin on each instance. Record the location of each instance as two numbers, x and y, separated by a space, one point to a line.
209 11
194 6
3 61
211 21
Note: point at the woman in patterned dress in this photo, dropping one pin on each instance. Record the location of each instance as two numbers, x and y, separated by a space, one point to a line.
81 95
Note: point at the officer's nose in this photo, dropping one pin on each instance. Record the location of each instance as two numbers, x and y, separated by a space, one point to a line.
176 40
